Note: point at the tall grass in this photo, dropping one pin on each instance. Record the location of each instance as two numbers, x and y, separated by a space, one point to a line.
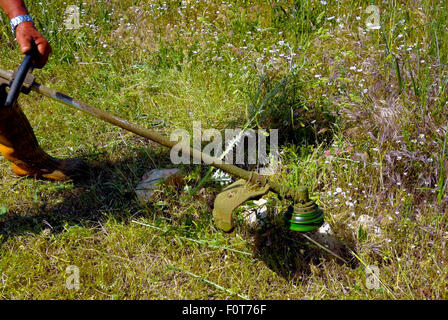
362 116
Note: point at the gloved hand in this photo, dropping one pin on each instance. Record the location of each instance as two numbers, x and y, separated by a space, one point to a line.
28 37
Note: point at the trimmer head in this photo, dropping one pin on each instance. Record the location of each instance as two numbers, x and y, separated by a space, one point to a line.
304 216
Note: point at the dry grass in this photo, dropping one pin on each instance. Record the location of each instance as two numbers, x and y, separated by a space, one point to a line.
362 116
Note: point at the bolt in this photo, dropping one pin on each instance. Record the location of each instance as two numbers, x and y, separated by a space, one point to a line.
303 194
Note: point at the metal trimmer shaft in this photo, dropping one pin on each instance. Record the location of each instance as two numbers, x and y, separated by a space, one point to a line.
250 176
312 215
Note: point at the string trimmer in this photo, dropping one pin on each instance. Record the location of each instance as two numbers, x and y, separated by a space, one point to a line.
303 215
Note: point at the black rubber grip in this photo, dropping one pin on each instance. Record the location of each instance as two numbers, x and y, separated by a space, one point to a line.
17 83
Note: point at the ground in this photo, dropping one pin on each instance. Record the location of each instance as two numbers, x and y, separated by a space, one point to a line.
361 112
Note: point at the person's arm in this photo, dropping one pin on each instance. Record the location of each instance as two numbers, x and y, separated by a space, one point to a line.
26 33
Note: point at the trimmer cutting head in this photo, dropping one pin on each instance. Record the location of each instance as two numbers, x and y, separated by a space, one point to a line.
305 215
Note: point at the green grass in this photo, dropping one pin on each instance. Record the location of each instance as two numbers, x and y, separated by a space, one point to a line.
362 121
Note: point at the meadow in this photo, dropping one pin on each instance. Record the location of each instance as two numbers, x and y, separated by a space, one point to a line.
362 117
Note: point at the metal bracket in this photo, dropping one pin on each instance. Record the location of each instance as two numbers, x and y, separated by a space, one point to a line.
6 77
27 82
231 198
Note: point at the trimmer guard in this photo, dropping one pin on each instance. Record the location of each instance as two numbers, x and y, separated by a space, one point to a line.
231 198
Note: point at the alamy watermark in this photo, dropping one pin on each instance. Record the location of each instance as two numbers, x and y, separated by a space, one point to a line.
238 146
72 281
372 277
72 18
373 21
